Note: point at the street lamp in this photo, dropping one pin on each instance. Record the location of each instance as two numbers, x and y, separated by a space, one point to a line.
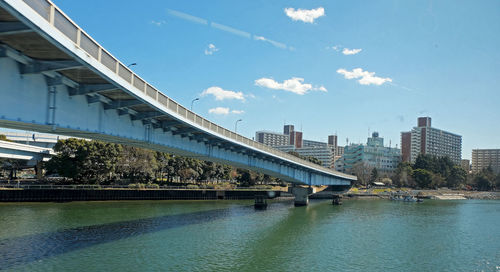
132 64
192 102
236 124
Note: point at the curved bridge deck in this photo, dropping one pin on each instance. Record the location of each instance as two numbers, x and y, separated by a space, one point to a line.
55 78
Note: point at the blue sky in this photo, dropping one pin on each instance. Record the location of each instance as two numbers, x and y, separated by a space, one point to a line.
345 67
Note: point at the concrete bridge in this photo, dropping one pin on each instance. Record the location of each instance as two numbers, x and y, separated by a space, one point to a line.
55 78
30 153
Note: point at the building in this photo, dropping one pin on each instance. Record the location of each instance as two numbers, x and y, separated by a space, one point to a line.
309 143
406 146
289 137
292 140
332 141
323 153
374 154
483 158
271 138
425 139
339 151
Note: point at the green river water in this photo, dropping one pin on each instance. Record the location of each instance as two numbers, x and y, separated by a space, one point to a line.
361 235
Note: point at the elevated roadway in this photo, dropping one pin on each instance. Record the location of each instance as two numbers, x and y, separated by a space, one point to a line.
56 79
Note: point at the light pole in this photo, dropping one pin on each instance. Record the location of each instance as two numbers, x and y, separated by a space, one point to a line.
132 64
192 102
236 124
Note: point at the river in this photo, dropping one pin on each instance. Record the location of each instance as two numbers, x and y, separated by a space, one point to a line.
361 235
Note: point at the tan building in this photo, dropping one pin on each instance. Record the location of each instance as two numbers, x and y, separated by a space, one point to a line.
482 158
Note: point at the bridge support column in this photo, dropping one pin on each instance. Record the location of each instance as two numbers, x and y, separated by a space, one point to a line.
301 195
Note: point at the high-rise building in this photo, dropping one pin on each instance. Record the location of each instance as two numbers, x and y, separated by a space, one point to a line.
483 158
287 129
432 141
324 154
292 140
271 138
332 141
296 139
373 154
406 146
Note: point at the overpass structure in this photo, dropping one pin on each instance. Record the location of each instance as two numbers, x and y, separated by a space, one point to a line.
33 154
55 78
34 139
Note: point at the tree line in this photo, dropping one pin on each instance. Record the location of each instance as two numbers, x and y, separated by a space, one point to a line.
433 172
97 162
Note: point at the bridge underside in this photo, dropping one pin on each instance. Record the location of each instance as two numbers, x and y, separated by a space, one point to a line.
50 84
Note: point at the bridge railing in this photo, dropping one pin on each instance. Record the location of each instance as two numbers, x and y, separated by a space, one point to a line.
58 19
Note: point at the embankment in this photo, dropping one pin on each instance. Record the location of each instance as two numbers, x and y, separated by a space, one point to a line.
63 195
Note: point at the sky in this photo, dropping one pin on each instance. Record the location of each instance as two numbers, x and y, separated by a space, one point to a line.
328 67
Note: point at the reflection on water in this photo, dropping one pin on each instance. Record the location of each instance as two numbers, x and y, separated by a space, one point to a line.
31 248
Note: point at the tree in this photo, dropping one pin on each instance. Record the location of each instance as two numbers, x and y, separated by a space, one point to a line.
437 180
245 178
457 177
425 162
403 175
422 177
374 175
482 182
138 164
313 160
362 171
485 180
209 170
85 161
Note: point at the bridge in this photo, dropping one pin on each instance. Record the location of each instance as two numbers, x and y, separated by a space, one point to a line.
30 153
56 79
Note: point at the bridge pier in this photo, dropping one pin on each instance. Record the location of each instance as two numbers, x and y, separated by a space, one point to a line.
301 195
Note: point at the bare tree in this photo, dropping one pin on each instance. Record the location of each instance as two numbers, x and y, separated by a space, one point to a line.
363 172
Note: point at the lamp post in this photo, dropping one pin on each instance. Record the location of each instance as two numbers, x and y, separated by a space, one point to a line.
192 102
236 125
132 64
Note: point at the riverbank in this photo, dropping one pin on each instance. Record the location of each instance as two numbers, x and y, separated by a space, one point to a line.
439 194
65 195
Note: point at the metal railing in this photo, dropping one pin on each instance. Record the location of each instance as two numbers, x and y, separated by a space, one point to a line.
58 19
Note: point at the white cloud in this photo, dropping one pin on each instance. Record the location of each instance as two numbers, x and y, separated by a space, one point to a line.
158 23
348 51
219 111
365 77
294 85
305 15
224 111
211 49
221 94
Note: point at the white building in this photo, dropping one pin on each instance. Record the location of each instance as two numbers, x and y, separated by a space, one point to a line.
432 141
271 138
325 154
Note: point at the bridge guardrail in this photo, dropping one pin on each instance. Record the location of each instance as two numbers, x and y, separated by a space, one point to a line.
58 19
